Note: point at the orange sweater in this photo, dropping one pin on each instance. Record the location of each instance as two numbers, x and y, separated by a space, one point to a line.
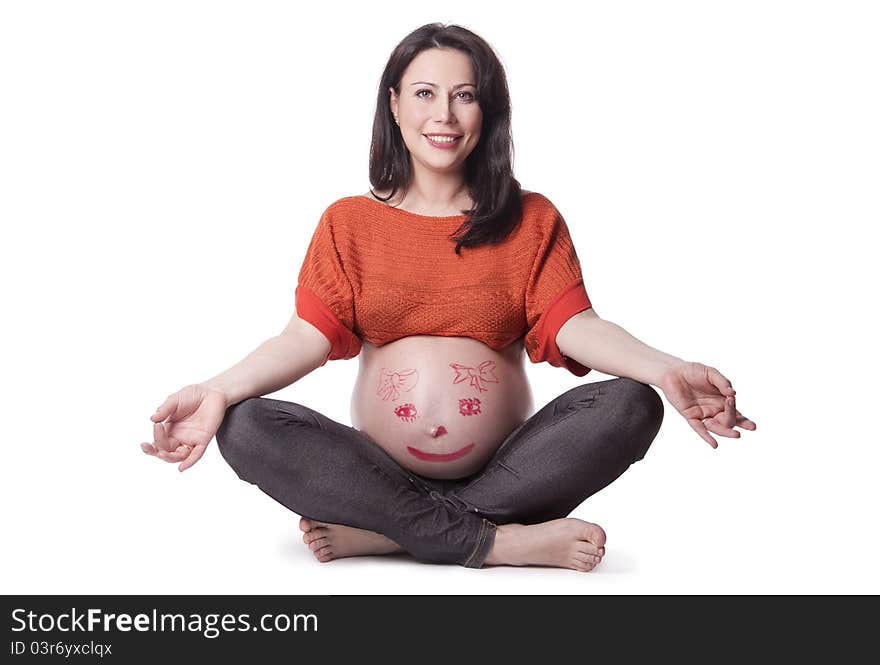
377 273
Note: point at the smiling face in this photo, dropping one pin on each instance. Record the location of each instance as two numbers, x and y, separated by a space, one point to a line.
431 452
438 99
466 407
438 395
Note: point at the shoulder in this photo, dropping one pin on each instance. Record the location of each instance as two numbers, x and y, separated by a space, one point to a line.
535 200
538 209
353 200
344 208
358 203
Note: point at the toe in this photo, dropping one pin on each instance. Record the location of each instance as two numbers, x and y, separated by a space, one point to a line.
590 559
581 566
324 554
310 536
305 525
594 534
317 544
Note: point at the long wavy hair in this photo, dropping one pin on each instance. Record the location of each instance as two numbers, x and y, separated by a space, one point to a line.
489 168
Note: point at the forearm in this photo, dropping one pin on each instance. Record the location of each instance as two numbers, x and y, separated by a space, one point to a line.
275 364
608 348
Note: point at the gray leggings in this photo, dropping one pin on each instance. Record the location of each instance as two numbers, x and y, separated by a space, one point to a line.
573 447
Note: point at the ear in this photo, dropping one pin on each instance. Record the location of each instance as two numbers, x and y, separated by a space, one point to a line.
393 101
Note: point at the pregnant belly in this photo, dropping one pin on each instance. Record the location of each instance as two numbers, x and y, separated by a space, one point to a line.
440 406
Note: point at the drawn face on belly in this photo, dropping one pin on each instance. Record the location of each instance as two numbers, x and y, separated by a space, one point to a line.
446 430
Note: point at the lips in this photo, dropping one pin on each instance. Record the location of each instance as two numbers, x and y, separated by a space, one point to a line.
439 457
445 144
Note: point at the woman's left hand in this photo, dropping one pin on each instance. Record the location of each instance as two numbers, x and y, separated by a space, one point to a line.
706 399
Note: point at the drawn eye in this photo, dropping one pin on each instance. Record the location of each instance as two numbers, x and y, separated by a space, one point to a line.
470 406
406 412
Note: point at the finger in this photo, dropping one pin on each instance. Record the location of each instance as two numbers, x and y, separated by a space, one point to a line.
184 449
161 438
183 453
721 382
745 423
163 411
186 458
194 457
705 410
728 418
700 428
178 455
720 429
723 412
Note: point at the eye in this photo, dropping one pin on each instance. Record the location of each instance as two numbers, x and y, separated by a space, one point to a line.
469 95
470 406
406 412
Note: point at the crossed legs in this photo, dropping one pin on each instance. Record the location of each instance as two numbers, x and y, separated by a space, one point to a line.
360 501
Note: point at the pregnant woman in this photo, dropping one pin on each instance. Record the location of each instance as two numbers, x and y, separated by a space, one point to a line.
442 279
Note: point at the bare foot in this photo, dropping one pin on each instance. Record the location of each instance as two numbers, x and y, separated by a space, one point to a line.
334 541
564 543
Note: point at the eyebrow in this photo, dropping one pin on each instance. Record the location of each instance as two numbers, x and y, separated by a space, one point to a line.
434 85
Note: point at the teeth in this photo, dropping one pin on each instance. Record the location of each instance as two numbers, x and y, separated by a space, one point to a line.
442 139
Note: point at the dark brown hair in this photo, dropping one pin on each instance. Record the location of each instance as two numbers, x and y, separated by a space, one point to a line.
489 168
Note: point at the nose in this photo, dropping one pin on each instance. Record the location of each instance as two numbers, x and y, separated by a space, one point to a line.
444 110
438 430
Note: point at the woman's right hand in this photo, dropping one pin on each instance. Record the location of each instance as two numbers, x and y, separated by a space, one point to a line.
185 423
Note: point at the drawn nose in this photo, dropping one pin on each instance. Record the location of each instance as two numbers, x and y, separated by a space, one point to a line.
438 430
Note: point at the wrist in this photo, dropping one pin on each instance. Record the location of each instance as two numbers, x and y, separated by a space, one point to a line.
215 386
665 368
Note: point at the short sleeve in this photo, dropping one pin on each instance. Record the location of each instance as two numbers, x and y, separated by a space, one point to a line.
324 296
555 292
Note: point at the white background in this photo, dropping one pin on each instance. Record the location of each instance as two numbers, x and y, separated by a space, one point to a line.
164 164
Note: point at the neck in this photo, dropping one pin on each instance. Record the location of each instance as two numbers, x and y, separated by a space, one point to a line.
437 191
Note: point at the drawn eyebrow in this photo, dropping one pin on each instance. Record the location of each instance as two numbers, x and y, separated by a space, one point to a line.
434 85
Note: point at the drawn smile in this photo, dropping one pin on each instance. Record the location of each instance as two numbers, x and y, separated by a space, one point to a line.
439 457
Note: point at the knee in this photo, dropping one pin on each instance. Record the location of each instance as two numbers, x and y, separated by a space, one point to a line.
235 436
644 402
645 411
252 428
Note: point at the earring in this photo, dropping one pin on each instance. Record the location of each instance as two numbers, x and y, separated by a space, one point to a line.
397 121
